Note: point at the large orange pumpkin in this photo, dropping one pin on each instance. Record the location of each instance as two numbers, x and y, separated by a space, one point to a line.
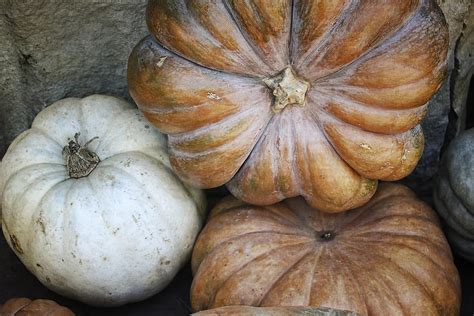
318 98
388 257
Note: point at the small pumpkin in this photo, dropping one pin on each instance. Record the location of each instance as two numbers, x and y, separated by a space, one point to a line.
274 311
388 257
91 206
27 307
454 193
311 98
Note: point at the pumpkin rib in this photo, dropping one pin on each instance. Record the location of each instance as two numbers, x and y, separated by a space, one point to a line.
272 208
283 274
256 51
248 263
377 221
401 271
462 226
41 131
366 237
396 37
177 107
349 203
450 178
381 284
339 132
448 276
41 201
350 275
356 113
222 243
379 45
176 139
317 256
324 39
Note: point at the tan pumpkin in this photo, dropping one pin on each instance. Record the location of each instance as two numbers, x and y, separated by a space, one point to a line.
319 99
388 257
26 307
274 311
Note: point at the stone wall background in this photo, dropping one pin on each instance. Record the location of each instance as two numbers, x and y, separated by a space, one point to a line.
51 49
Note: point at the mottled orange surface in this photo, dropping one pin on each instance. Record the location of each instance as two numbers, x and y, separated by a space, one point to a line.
371 67
388 257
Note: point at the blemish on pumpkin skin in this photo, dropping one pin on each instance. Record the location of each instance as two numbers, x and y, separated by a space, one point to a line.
161 61
16 244
41 224
213 96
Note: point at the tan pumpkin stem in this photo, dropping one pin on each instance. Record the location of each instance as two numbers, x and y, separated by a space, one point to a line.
287 89
80 161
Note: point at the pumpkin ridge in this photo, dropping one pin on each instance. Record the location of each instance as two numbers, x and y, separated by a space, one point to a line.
365 237
222 243
283 274
40 130
423 286
349 275
178 138
277 218
451 188
299 224
448 276
334 104
37 212
397 268
381 284
346 204
374 221
248 263
184 108
250 43
364 56
140 184
459 224
28 187
317 256
325 38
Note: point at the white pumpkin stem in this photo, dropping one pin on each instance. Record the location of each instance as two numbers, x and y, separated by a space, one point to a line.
80 161
287 89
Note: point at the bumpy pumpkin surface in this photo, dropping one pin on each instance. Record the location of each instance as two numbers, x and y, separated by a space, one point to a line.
388 257
454 193
27 307
274 311
285 98
114 228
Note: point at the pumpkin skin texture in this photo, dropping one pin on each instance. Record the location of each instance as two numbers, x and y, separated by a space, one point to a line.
27 307
321 99
117 235
273 311
388 257
454 193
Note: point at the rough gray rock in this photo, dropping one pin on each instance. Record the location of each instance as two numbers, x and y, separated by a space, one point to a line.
51 49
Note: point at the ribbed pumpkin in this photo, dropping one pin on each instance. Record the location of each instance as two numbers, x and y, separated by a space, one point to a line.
284 98
454 193
388 257
90 204
27 307
273 311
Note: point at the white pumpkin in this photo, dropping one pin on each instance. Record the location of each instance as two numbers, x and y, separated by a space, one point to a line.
114 236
